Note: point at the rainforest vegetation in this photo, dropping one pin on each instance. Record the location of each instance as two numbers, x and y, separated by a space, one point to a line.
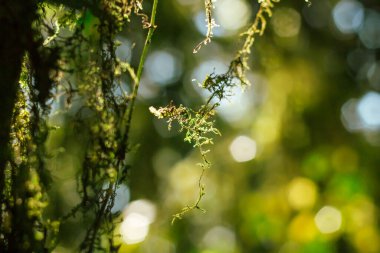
189 126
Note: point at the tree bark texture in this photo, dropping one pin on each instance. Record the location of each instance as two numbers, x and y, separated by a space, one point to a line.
16 18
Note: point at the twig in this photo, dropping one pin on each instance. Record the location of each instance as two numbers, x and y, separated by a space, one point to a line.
210 25
127 117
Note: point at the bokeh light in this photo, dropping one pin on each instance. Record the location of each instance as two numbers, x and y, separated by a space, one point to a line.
350 117
124 51
373 75
237 107
134 228
163 67
348 15
232 15
328 219
286 22
302 228
369 33
369 110
122 198
302 193
362 114
137 218
220 239
243 149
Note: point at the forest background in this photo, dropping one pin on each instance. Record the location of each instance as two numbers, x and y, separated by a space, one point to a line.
295 168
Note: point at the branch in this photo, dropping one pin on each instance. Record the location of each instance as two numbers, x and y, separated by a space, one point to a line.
127 117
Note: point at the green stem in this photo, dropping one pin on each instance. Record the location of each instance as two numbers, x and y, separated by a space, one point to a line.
127 117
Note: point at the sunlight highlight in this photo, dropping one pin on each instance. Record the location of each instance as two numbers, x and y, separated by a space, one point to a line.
232 14
369 110
348 15
302 193
328 220
134 228
163 67
243 149
138 216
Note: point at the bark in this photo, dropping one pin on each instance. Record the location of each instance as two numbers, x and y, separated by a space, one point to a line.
16 18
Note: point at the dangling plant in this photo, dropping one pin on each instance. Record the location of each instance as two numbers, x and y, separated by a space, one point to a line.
198 125
209 6
83 64
67 49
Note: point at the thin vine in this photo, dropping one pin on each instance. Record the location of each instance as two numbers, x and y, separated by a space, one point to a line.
199 125
127 117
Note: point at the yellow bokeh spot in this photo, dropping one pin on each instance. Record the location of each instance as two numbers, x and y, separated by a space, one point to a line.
268 127
302 228
302 193
367 240
183 179
359 212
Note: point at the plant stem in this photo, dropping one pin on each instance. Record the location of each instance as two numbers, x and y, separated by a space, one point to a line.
127 117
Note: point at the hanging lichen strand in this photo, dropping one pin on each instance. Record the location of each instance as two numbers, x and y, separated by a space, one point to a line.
198 125
26 178
104 167
209 6
88 70
23 228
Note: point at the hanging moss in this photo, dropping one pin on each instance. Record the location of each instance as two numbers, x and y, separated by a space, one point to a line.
69 47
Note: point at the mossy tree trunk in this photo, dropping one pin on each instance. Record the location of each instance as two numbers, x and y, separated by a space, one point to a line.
16 18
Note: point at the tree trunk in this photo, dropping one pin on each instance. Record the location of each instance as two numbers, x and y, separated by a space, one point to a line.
16 18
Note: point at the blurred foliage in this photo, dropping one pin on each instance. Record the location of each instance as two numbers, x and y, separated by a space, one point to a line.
308 168
303 178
